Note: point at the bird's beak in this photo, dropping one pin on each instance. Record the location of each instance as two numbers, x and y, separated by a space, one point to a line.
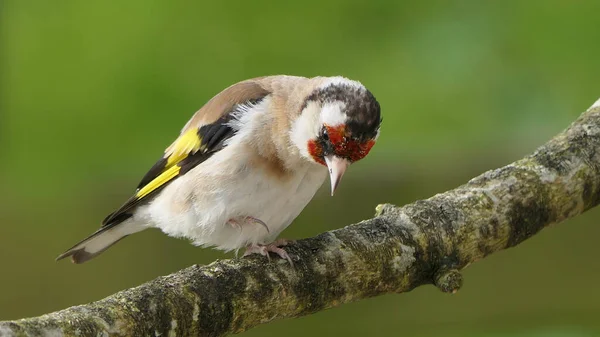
337 166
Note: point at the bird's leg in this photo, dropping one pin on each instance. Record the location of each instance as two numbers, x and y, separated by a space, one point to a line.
274 247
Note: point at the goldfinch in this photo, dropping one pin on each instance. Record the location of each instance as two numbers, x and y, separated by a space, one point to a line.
247 163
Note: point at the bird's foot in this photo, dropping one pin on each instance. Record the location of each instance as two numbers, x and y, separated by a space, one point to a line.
238 222
274 247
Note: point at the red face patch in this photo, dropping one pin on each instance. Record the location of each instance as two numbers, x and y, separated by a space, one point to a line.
343 145
316 151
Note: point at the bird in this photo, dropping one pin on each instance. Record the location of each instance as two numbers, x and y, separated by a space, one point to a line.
246 164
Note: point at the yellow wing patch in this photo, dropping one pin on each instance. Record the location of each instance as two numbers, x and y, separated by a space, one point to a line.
162 179
189 141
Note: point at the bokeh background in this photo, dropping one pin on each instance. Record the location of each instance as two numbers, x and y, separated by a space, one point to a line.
92 91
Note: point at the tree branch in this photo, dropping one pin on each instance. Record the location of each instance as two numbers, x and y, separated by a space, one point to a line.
426 242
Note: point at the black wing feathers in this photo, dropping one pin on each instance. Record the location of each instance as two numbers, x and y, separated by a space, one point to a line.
215 136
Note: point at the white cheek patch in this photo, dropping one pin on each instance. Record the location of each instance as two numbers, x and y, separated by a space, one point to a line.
305 128
597 104
331 114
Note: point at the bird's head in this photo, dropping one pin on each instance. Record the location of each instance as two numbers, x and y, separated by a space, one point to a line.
338 125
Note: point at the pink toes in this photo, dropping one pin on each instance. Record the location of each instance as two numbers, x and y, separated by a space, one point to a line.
273 248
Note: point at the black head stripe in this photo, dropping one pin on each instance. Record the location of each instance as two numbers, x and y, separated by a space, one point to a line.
364 116
361 107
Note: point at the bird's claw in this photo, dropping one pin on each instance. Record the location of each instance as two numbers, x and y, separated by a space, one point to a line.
258 221
274 247
237 223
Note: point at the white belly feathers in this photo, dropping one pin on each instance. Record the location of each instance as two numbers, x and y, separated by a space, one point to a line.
224 191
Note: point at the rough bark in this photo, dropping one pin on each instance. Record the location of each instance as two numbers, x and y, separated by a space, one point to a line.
426 242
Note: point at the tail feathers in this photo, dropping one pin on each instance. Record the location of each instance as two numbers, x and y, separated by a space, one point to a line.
98 242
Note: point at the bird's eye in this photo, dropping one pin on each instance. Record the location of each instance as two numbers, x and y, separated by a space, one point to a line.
324 134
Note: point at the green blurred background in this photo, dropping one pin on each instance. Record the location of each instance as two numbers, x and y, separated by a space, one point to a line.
92 91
